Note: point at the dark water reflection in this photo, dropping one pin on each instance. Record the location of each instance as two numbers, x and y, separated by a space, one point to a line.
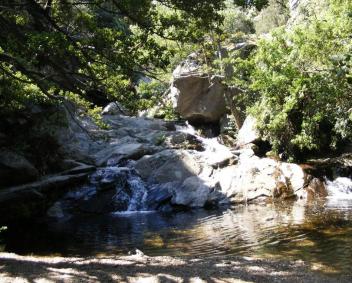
320 234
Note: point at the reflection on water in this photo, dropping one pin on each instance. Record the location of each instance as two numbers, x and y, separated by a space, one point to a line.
320 234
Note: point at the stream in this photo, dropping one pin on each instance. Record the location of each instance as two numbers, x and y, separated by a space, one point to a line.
318 232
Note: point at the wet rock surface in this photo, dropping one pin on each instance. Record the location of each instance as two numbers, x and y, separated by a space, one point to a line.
151 164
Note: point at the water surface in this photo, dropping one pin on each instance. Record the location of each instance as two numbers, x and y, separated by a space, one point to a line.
320 234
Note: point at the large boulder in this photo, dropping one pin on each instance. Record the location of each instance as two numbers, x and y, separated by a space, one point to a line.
168 166
200 99
255 179
194 95
193 193
73 134
198 192
159 195
15 169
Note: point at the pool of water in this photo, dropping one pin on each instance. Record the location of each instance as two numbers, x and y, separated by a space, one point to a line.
319 233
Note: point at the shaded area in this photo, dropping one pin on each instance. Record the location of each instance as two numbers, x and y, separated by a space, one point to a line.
158 269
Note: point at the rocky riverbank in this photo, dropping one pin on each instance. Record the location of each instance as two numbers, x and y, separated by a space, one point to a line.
139 163
141 268
150 164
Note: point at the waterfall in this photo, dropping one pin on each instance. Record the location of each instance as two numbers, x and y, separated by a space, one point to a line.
139 193
340 188
214 152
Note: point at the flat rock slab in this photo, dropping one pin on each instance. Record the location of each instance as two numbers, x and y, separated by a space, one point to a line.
42 186
84 168
34 199
128 151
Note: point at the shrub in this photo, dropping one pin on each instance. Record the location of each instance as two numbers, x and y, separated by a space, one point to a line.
302 82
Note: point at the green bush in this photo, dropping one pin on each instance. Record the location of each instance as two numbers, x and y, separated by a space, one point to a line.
301 82
276 14
150 94
237 20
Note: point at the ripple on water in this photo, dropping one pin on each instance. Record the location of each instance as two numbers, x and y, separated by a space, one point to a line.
320 234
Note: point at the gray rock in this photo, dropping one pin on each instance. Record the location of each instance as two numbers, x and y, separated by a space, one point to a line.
74 134
168 166
193 193
82 168
114 108
255 179
200 99
15 169
122 151
160 194
56 211
110 178
183 141
136 124
248 132
68 164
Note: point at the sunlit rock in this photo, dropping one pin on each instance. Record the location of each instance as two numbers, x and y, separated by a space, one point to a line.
168 166
193 193
248 132
114 108
257 178
195 95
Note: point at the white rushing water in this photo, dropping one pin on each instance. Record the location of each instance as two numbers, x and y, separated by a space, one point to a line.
214 152
214 155
139 193
340 188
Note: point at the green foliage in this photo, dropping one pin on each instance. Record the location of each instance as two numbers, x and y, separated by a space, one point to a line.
95 49
98 49
16 95
301 82
237 20
276 14
259 4
150 94
168 113
86 108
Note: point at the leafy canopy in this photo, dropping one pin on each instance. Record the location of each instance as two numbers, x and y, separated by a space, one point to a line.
95 49
301 83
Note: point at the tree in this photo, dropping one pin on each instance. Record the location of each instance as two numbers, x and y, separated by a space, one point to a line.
95 49
301 83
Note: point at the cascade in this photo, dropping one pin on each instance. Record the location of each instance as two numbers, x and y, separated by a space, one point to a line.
340 188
